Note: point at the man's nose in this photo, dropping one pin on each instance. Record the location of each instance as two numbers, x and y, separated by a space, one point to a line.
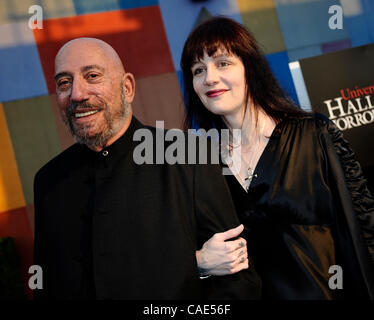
78 90
211 76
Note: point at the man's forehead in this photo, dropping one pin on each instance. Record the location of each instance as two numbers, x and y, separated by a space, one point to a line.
82 53
77 59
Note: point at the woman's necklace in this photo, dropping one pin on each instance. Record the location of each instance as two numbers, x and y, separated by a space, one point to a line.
249 172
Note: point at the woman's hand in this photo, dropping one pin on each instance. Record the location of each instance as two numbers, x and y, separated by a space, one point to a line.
219 257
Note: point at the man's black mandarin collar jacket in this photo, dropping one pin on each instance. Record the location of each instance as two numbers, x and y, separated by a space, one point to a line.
108 228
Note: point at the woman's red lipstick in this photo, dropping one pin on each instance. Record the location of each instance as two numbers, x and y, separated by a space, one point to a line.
215 93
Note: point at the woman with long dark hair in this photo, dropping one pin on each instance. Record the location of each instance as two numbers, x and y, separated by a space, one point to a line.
308 215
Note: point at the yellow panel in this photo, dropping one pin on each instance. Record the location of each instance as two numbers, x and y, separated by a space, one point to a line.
11 193
252 5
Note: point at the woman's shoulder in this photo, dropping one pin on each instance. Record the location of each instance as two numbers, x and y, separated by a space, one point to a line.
309 118
314 123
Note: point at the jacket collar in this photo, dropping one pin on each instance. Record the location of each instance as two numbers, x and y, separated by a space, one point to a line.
122 145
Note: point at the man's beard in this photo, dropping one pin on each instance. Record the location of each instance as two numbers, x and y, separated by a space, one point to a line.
113 122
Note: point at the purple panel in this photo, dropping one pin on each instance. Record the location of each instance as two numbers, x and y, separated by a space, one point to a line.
336 46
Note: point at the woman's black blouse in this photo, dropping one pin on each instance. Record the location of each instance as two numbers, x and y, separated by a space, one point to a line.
296 223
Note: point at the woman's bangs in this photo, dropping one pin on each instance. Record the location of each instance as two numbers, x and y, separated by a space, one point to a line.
210 47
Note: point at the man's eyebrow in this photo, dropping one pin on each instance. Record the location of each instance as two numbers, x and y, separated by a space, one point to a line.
92 66
83 69
62 74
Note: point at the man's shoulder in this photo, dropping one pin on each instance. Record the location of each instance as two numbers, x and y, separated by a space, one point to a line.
56 165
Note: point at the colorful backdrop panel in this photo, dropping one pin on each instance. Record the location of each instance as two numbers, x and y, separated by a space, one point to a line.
304 52
159 98
261 19
336 46
358 20
305 22
21 74
90 6
137 34
181 16
18 10
279 65
15 224
11 193
34 135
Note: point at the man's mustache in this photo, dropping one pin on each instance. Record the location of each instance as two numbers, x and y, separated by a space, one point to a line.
76 107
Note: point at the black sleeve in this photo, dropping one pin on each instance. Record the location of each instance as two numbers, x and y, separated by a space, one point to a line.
215 212
362 200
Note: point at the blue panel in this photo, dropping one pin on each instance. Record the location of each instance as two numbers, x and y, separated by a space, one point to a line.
279 65
302 53
369 14
305 23
181 83
129 4
360 25
89 6
179 17
21 75
358 30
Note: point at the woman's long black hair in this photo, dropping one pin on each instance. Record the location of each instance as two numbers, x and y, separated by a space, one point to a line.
263 89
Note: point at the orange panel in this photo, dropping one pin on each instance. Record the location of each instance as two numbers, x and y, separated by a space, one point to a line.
137 35
11 193
159 98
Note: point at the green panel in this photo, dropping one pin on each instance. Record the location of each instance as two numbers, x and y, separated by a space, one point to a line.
34 136
203 16
261 19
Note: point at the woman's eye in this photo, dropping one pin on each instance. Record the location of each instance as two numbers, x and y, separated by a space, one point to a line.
223 64
197 71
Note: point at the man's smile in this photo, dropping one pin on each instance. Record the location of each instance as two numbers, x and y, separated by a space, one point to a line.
85 114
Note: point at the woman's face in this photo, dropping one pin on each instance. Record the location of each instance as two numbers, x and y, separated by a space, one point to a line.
219 81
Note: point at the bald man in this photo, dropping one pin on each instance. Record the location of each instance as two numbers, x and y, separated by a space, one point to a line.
107 228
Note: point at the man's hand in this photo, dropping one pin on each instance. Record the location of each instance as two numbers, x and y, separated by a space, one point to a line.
219 257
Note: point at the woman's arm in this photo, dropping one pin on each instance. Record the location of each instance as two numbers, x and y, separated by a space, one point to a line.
362 200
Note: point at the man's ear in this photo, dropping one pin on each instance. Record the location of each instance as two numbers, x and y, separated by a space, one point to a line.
129 87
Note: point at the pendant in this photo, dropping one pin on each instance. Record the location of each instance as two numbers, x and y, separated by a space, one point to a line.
248 179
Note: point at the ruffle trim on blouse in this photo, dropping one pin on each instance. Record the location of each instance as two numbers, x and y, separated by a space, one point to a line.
363 201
